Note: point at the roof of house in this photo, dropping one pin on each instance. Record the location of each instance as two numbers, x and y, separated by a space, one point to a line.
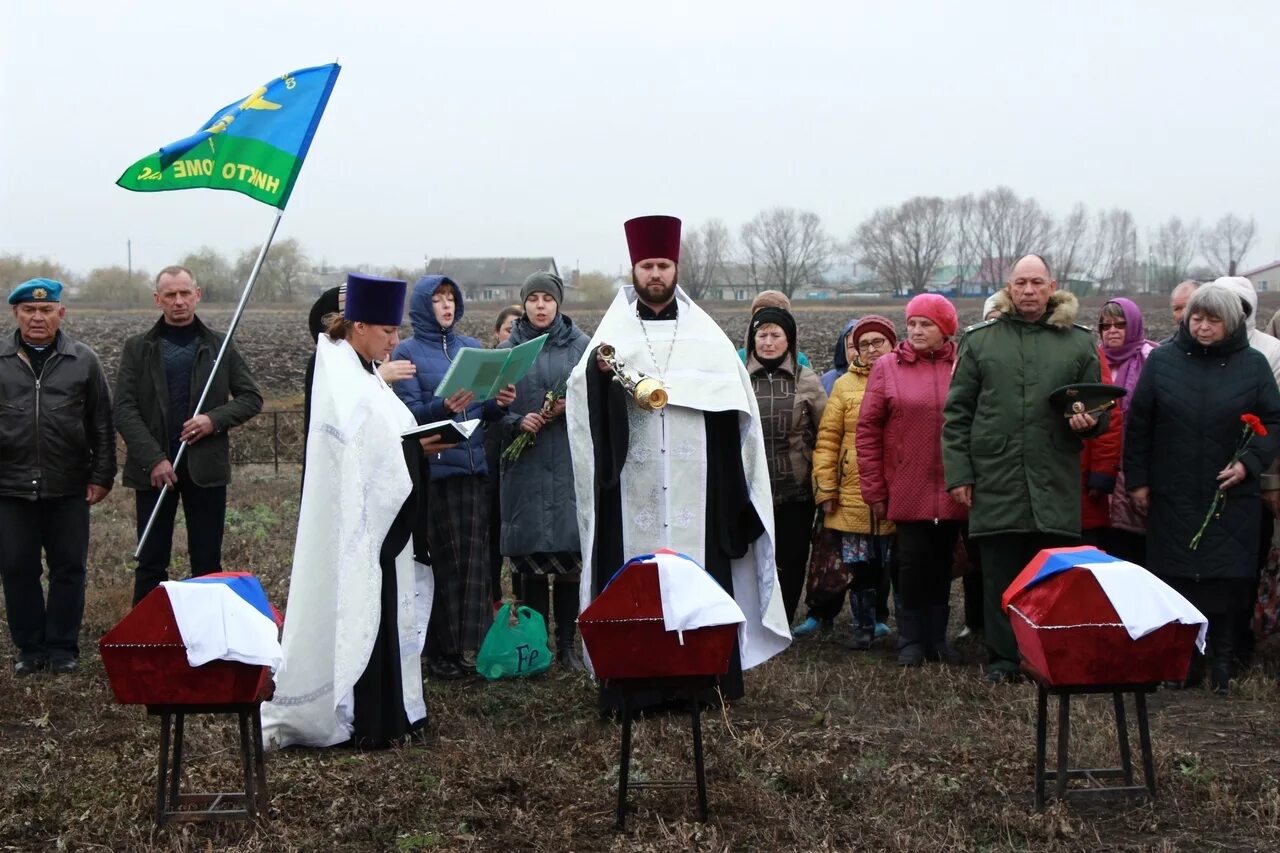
1264 268
490 272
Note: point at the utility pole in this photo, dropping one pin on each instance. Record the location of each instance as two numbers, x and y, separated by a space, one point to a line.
129 249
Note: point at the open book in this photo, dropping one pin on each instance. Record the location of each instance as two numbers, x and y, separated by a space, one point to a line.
453 432
485 372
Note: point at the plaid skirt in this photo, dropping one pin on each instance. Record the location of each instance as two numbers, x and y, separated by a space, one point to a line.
553 563
458 525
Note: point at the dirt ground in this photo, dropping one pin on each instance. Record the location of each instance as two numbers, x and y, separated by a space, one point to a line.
830 750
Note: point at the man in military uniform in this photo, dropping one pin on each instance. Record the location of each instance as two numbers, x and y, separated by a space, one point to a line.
1008 453
57 458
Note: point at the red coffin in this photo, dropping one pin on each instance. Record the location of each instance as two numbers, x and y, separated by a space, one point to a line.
624 635
146 663
1069 634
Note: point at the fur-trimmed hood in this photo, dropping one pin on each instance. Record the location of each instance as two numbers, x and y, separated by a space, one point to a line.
1063 309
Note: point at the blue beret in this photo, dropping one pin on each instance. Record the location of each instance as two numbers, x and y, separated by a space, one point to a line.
37 290
374 300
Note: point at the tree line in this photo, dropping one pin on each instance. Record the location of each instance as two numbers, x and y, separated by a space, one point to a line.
284 277
900 247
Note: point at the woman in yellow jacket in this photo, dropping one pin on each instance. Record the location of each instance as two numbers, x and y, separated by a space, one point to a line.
866 541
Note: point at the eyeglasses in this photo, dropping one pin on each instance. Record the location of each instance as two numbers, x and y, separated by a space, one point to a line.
1103 325
874 343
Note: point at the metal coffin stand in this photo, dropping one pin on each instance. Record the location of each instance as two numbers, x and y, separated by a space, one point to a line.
1063 773
622 630
247 804
687 688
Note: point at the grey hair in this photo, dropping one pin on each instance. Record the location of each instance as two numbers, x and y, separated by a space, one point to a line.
1218 301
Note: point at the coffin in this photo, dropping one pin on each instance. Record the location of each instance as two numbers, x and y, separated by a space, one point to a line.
624 629
1075 613
146 661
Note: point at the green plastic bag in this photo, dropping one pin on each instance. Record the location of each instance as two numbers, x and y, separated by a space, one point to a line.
515 646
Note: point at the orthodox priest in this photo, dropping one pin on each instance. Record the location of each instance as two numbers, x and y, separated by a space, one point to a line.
358 600
691 476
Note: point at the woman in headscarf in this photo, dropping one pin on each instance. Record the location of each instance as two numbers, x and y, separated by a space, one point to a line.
791 402
866 538
1125 345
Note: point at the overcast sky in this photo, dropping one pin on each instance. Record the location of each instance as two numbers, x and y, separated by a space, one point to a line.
519 128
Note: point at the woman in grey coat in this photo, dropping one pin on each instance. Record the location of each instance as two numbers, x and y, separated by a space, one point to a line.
539 515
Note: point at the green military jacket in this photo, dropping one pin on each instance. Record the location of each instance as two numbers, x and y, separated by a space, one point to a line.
1000 433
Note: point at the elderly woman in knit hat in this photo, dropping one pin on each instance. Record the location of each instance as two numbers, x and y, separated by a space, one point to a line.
769 299
867 537
539 513
899 451
791 402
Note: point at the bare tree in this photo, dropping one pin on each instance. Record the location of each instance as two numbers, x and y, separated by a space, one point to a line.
1071 247
116 285
15 269
1172 248
704 253
1226 244
214 275
282 273
1116 238
904 244
1005 228
786 248
964 212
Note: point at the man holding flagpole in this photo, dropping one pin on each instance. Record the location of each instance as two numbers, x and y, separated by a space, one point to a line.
157 386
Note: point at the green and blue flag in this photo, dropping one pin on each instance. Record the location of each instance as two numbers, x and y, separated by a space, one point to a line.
254 145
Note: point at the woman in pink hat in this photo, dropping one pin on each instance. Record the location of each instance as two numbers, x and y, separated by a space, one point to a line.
899 446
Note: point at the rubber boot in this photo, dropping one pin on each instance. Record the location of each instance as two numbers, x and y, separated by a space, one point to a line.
911 633
565 599
863 604
937 649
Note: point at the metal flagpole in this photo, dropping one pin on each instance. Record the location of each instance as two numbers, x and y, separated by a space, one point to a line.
222 351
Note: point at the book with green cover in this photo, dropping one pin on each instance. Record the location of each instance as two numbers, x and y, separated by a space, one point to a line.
485 372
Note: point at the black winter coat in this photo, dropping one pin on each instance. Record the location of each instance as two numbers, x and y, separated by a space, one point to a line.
56 435
1182 428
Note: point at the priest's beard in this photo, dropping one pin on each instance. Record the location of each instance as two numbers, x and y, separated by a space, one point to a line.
655 298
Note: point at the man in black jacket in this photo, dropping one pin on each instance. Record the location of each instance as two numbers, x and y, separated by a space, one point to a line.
57 458
162 373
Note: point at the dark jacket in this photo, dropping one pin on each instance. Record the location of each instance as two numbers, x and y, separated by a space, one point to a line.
432 349
1182 428
839 358
539 513
1001 435
142 407
791 402
56 436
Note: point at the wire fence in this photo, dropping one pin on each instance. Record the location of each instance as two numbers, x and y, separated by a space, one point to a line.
270 438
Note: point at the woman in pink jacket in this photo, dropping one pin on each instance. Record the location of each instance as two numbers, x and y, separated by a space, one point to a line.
899 445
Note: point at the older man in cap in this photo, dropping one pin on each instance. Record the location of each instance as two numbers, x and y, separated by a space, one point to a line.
1008 454
161 376
57 458
691 476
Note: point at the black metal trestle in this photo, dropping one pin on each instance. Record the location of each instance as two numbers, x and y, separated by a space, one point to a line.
248 804
1063 773
684 688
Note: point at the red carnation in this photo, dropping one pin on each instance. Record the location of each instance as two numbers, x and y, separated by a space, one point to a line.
1254 423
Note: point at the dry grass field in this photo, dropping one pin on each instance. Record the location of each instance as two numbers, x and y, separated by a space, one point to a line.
831 750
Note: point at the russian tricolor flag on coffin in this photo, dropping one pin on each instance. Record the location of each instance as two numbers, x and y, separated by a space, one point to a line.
1082 616
226 616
